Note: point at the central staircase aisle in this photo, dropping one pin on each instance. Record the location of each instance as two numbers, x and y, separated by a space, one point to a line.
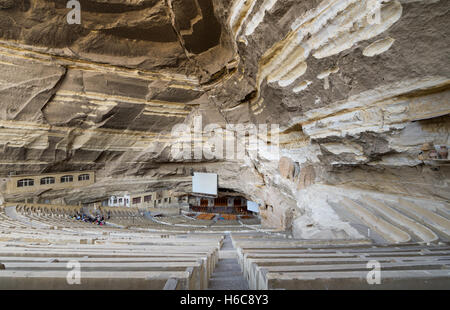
227 274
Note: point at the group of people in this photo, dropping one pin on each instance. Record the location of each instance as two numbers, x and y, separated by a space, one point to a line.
98 220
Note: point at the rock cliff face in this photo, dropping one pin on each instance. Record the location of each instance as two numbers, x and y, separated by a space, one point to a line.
355 88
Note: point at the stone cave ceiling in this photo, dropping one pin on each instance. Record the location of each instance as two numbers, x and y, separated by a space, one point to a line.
355 86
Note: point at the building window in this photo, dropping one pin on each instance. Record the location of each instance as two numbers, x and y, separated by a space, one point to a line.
148 198
47 180
136 200
67 178
83 177
221 202
25 182
165 199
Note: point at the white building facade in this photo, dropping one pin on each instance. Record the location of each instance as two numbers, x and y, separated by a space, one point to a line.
119 201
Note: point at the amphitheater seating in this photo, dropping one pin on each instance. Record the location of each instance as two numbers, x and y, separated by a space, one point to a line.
180 252
36 246
150 265
397 220
201 222
280 263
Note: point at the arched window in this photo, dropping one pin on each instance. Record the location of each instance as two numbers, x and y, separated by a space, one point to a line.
83 177
67 178
47 180
25 182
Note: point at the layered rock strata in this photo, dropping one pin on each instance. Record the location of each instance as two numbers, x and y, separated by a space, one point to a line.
354 87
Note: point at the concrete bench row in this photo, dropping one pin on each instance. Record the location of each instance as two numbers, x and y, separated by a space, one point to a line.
109 258
61 217
115 266
299 264
30 208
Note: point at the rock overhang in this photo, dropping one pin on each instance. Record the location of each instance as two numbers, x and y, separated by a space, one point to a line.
345 90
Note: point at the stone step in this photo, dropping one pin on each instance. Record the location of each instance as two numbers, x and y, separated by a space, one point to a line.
229 271
227 274
227 267
220 284
227 264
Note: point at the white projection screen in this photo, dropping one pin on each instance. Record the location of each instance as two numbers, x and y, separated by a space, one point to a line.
204 183
252 206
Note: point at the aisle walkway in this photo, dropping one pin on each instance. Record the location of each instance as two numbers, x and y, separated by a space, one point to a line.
228 274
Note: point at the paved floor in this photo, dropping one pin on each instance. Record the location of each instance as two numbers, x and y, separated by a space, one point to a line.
228 274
